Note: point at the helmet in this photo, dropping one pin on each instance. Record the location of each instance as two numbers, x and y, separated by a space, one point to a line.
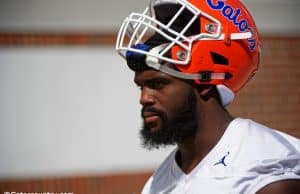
210 41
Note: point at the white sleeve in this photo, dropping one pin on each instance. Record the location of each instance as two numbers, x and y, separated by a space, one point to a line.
270 171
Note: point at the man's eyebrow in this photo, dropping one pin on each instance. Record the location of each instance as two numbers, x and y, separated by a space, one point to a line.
156 79
153 79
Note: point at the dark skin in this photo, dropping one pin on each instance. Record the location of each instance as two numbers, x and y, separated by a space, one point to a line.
282 187
162 91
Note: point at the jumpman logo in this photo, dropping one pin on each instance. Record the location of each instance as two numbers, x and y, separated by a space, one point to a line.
222 160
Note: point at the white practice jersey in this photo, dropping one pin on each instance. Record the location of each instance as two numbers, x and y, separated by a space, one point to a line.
248 157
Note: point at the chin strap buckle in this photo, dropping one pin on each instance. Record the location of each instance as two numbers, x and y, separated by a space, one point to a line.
206 76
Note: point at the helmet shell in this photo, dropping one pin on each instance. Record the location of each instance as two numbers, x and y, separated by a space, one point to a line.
241 56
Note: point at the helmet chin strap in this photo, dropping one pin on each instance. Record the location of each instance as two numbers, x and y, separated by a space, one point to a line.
153 61
226 95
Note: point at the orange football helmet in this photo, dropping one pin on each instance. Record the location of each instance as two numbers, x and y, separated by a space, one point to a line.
209 41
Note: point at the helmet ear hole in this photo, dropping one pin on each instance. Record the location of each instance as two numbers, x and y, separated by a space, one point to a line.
219 59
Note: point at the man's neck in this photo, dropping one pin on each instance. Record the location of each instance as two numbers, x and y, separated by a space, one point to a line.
210 129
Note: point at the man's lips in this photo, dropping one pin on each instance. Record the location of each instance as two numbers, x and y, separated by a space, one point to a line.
150 117
149 114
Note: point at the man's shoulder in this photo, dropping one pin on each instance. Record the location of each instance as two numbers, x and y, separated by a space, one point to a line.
261 154
254 135
263 146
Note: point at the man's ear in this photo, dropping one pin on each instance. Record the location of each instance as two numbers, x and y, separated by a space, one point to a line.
206 91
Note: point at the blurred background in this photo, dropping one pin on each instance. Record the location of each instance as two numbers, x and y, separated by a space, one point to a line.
69 112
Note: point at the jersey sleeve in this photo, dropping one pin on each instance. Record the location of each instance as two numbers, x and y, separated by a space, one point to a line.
269 171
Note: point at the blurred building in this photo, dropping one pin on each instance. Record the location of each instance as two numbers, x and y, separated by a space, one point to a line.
69 112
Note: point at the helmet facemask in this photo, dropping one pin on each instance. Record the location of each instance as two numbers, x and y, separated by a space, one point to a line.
175 22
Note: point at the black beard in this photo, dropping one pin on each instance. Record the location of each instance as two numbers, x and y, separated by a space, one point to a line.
174 130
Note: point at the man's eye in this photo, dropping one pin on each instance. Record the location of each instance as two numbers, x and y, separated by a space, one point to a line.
157 84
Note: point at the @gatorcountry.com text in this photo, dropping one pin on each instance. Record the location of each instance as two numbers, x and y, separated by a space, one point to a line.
37 193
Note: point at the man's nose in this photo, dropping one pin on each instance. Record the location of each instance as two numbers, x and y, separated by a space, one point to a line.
146 97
